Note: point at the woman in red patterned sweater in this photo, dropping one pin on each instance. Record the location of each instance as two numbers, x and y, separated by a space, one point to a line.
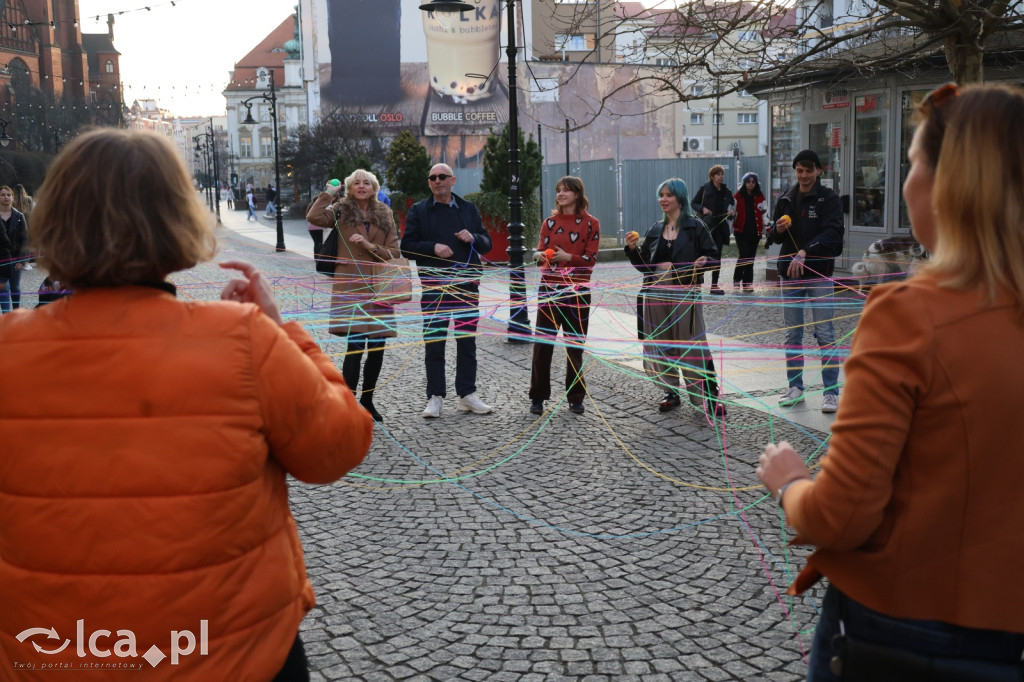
566 253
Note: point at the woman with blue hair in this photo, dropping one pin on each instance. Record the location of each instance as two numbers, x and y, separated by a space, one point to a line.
672 258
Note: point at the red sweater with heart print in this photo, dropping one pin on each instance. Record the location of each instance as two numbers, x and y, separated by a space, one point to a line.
577 235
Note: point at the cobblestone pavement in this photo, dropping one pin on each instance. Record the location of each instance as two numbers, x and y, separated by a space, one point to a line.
506 547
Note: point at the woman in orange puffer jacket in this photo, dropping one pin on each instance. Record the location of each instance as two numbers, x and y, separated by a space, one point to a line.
144 515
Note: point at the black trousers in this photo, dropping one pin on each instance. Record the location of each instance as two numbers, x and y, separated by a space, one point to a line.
296 668
747 245
720 233
568 310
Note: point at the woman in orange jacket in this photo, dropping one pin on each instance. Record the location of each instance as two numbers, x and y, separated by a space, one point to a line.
915 514
143 505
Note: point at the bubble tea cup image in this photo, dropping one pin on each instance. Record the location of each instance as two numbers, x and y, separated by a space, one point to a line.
461 43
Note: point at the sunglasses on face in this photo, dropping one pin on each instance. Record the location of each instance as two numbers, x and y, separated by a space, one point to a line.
440 176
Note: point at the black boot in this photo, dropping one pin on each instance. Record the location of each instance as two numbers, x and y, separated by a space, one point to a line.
350 366
374 362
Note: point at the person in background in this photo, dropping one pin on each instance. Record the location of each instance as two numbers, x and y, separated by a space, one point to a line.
271 198
250 202
809 225
367 236
144 484
915 511
445 235
574 237
23 201
16 228
229 197
713 205
748 226
383 197
671 258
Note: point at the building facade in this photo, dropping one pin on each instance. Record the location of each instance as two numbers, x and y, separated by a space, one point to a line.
251 147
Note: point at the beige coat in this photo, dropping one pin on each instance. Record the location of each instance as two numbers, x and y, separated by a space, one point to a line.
354 309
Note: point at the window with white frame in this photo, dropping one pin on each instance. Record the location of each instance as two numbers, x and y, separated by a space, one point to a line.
696 119
266 142
746 119
749 36
698 90
109 66
574 43
665 61
245 145
743 93
718 119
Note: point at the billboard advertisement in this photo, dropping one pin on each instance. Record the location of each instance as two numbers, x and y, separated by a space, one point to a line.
396 66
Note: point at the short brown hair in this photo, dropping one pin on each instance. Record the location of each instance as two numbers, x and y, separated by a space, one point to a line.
118 208
715 170
573 184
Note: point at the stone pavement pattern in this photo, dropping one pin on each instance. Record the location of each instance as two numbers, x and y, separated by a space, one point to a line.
595 547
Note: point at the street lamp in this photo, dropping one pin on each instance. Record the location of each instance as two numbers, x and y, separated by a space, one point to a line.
519 320
202 153
210 150
5 139
250 121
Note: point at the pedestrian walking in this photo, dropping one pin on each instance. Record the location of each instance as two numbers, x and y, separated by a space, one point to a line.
747 227
367 237
16 228
567 252
713 205
445 235
672 258
250 202
915 510
809 225
271 197
148 491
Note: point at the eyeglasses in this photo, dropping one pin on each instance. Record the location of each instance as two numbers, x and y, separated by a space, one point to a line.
440 176
939 97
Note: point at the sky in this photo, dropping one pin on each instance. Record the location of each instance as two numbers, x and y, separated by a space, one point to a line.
181 55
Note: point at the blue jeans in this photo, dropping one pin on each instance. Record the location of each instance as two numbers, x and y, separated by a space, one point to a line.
818 295
441 304
926 637
5 295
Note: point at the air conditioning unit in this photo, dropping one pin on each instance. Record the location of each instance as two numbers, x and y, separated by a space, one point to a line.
736 146
694 144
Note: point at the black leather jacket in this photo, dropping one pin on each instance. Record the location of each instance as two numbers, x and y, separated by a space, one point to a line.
817 229
693 242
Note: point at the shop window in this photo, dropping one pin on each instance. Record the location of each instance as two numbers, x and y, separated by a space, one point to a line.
785 123
871 143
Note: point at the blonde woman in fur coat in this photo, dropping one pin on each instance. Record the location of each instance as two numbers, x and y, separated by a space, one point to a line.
367 237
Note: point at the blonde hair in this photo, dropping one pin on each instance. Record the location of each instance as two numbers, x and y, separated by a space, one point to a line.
980 224
360 174
117 208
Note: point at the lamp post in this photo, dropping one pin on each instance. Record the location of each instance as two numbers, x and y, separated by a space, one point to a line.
519 320
5 139
250 121
202 154
216 169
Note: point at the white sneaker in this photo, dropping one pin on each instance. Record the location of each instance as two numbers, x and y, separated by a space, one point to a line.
470 403
830 403
433 408
792 397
